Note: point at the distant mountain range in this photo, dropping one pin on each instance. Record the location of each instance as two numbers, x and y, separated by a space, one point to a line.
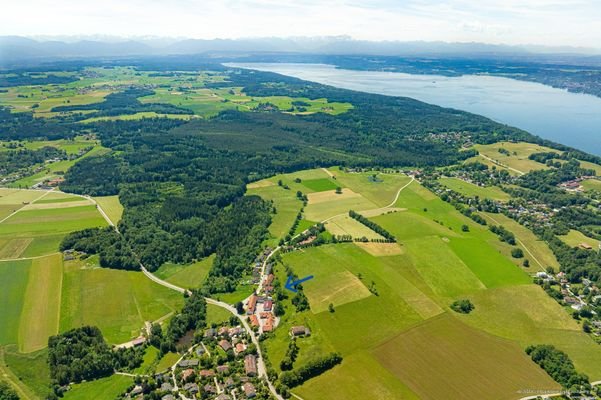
14 49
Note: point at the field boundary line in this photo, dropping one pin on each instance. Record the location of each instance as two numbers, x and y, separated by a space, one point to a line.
29 258
25 205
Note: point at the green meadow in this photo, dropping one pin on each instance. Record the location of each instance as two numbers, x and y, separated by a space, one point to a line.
187 276
118 302
106 388
111 206
575 238
38 228
391 306
472 190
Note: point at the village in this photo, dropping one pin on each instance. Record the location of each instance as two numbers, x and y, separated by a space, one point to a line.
224 361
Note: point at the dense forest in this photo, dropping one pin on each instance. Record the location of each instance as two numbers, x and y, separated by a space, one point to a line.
82 354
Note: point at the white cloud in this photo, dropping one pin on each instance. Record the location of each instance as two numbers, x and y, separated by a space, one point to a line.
551 22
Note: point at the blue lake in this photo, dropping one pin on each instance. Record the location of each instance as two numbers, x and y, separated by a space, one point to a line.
555 114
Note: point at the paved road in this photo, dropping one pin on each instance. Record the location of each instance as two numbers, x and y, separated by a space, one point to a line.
261 369
549 395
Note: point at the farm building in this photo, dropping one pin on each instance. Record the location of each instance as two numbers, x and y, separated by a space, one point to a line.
300 331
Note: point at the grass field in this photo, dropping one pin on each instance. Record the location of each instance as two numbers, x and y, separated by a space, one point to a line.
217 315
14 276
591 184
29 373
345 225
518 154
286 206
469 189
167 361
420 347
41 308
324 205
187 276
380 190
575 238
118 302
320 185
426 358
38 231
535 249
111 206
105 388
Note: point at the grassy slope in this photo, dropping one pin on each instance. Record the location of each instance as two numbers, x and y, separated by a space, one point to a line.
575 238
519 160
188 276
439 263
111 206
469 189
41 308
105 388
14 276
537 251
118 302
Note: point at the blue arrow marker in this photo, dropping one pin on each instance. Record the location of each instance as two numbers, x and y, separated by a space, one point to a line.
291 284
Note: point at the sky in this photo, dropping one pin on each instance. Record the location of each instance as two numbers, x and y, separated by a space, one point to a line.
540 22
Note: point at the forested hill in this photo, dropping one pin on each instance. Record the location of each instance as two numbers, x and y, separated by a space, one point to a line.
182 182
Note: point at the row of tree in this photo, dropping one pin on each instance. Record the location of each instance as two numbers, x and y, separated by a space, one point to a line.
373 226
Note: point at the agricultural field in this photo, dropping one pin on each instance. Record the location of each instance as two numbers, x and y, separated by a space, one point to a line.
111 206
118 302
286 204
575 239
188 276
429 353
345 225
42 220
534 249
405 290
184 90
379 188
472 190
105 388
591 184
517 160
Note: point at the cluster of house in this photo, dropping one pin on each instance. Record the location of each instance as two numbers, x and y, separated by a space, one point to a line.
258 272
577 302
221 367
259 309
574 184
